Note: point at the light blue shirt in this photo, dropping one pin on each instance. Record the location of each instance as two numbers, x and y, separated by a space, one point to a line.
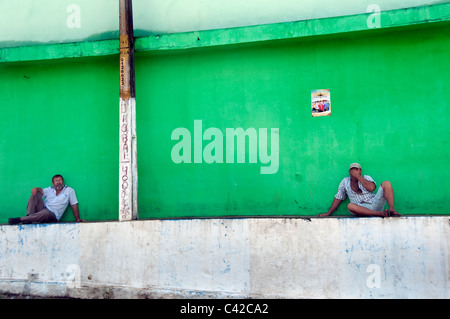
58 204
345 190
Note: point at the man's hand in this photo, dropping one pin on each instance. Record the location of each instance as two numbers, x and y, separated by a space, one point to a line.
355 173
36 190
334 205
76 213
324 215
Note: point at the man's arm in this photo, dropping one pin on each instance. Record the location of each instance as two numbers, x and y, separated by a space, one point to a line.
334 205
76 213
370 186
36 190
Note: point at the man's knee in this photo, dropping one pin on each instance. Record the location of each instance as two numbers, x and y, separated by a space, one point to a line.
35 203
386 185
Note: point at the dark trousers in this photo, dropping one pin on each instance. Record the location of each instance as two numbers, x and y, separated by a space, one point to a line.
36 211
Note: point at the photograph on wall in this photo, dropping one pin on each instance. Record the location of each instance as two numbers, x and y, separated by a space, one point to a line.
320 102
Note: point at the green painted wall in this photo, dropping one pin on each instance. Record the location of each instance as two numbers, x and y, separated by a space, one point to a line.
389 96
60 118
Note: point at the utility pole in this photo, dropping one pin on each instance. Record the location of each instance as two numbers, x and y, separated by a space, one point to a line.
128 179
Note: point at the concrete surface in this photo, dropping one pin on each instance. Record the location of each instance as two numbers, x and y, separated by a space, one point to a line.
406 257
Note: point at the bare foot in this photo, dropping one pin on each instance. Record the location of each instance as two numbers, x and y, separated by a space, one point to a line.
391 213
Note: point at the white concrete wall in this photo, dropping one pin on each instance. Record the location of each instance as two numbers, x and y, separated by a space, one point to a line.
257 257
74 20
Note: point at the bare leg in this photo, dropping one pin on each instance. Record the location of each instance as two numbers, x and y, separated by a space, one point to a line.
389 196
363 211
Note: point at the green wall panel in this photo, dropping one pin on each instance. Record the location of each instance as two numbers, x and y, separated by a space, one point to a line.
382 87
60 118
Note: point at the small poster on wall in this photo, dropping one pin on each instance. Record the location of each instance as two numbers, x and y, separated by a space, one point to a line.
320 102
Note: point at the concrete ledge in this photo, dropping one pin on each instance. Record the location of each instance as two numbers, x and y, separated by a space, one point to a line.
406 257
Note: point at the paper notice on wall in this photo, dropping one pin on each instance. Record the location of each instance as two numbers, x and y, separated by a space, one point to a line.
320 102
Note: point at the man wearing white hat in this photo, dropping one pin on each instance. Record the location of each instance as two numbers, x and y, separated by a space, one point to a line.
360 191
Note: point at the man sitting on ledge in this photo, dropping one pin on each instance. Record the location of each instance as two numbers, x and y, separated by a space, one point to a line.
363 202
57 198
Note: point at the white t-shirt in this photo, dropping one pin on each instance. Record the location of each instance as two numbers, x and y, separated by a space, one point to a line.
58 204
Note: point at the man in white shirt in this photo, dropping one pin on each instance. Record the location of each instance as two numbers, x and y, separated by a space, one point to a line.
49 204
363 202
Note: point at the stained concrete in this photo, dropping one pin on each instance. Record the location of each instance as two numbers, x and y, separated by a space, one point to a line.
407 257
